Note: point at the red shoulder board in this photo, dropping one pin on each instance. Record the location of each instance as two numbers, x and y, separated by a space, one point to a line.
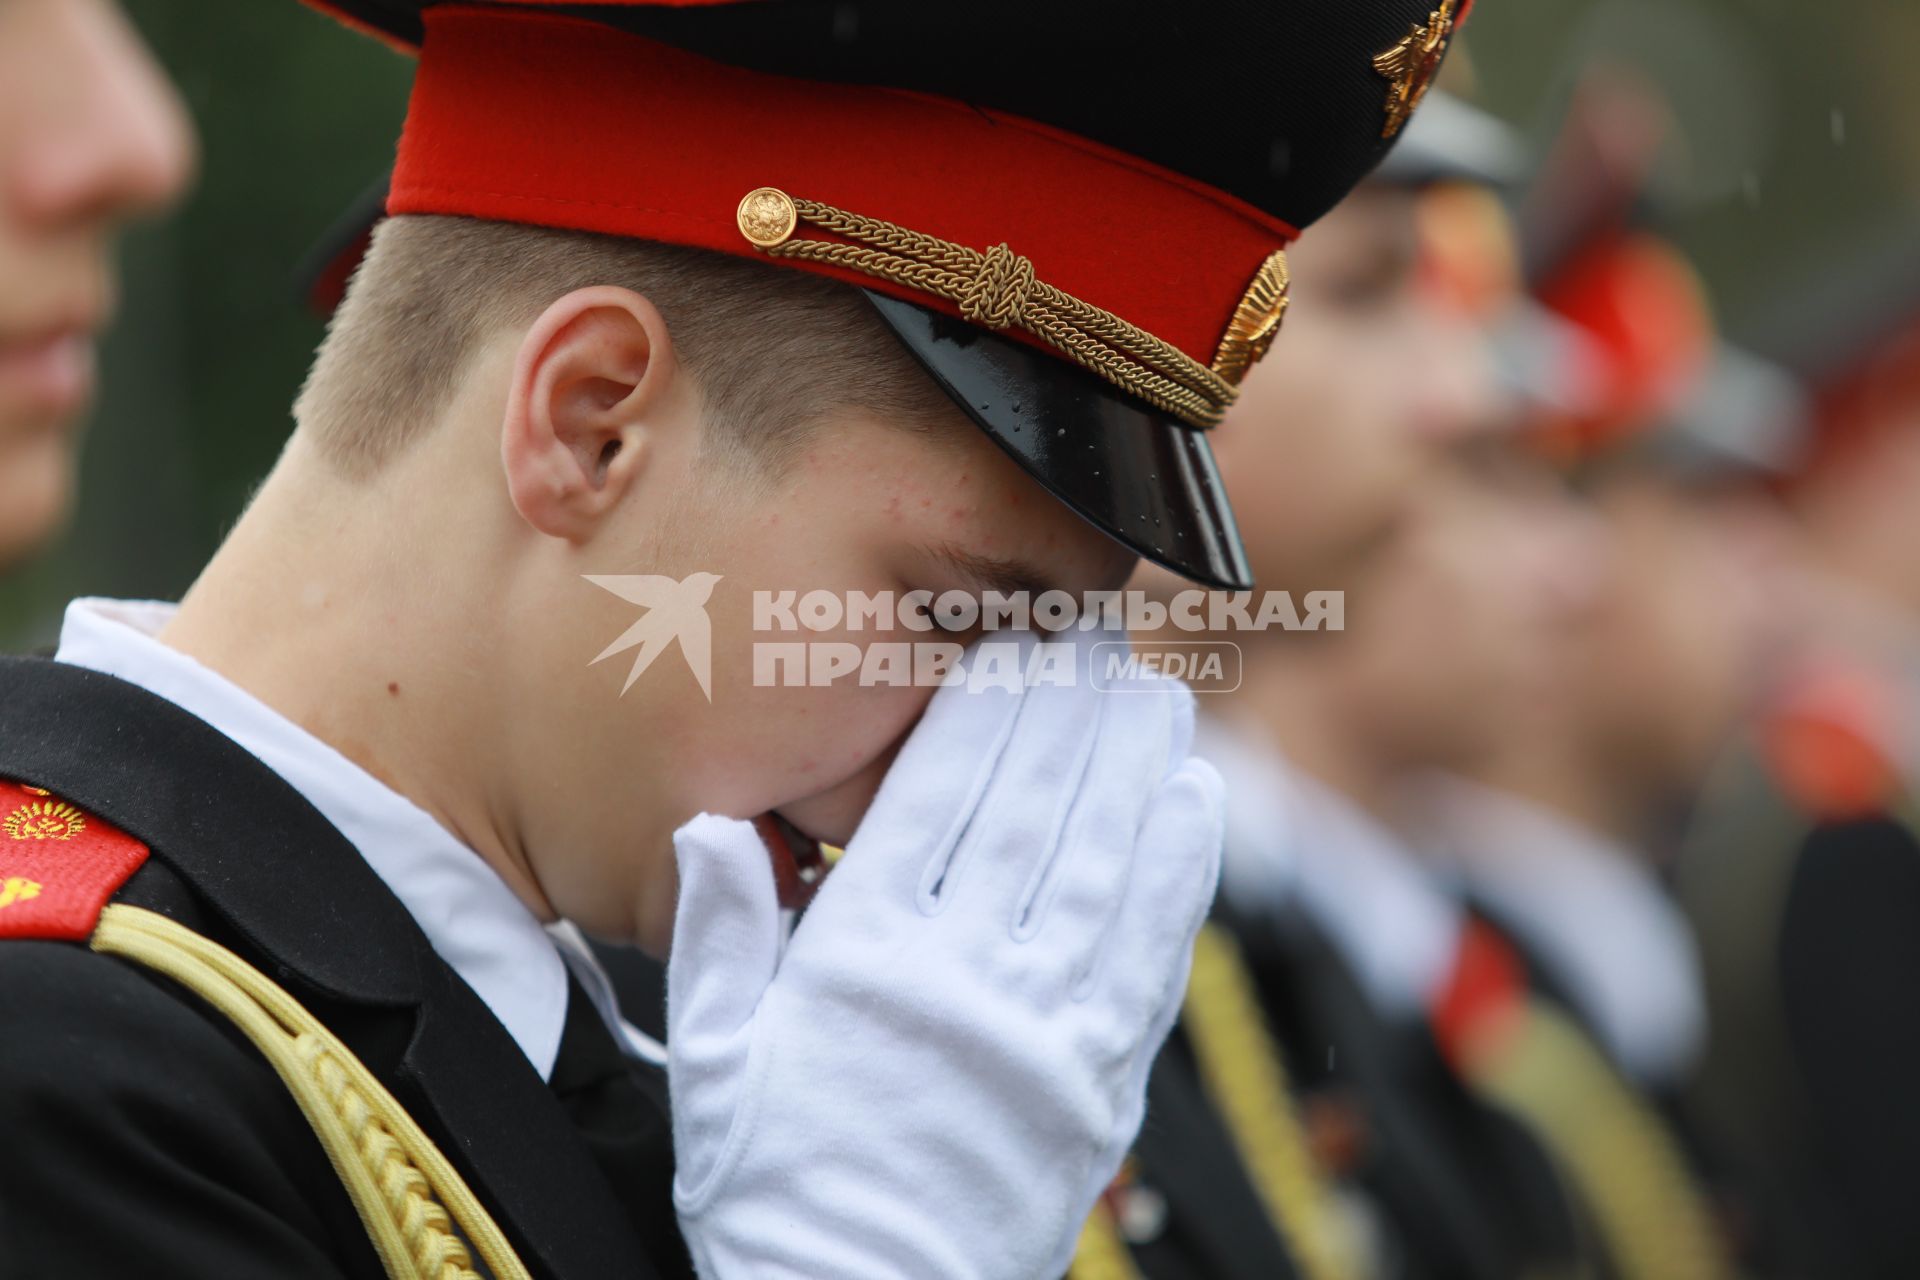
58 865
1473 1009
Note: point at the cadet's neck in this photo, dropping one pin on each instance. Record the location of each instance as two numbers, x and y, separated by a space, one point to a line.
1551 770
1289 688
336 602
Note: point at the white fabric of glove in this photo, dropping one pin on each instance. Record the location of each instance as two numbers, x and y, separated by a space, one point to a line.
941 1069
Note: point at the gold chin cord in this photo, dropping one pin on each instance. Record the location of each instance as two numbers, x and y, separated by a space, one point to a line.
415 1207
997 289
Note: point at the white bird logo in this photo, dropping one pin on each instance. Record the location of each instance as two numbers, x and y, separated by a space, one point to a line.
674 611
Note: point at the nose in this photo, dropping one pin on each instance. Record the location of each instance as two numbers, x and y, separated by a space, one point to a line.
111 138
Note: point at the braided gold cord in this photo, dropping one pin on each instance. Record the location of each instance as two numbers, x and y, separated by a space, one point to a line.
436 1251
1247 1080
1613 1147
996 289
410 1199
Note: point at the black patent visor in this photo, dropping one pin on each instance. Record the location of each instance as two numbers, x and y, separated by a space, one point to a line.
1132 471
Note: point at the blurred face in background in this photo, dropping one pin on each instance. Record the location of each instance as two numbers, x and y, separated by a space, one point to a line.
1681 627
1369 375
91 133
1462 629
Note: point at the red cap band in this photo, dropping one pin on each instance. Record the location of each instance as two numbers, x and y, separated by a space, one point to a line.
562 122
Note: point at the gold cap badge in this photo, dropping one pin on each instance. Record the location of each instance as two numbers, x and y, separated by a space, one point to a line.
1412 64
1256 320
767 216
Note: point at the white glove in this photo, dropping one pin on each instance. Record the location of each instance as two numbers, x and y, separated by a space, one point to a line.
943 1067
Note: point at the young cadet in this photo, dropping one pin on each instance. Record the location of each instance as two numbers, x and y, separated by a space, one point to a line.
1563 831
1367 966
91 134
677 298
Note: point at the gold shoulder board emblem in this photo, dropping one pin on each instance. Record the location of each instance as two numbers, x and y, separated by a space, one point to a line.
1256 320
1411 65
44 820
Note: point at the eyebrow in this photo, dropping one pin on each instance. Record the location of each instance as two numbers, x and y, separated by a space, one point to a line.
992 573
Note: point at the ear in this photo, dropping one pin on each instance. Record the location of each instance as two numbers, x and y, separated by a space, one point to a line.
589 384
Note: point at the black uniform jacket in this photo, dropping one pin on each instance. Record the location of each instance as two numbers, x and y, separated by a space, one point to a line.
140 1134
1809 926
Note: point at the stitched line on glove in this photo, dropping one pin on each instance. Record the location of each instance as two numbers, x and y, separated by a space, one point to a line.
932 899
1044 885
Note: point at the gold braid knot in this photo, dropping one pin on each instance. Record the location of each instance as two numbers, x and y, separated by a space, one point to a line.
997 295
998 290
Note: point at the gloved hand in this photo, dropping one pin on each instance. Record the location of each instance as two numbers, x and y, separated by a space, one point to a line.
946 1062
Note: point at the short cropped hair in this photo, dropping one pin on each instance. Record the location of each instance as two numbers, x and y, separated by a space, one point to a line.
772 351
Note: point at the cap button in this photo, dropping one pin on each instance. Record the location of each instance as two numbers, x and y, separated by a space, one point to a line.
767 216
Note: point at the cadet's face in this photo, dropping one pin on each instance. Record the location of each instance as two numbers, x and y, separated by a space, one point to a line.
872 509
866 507
90 132
1681 627
1333 428
1460 632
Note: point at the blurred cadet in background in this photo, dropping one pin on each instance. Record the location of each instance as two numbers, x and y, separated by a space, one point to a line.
91 133
1467 1115
1802 871
1323 453
1359 461
1558 829
1561 828
1560 833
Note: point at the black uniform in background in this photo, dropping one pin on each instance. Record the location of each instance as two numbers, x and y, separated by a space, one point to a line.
1807 923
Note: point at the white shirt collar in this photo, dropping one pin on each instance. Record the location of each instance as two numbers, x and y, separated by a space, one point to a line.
1257 863
1291 837
1591 910
517 967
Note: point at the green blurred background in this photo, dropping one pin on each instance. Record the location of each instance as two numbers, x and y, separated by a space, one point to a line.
1801 128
